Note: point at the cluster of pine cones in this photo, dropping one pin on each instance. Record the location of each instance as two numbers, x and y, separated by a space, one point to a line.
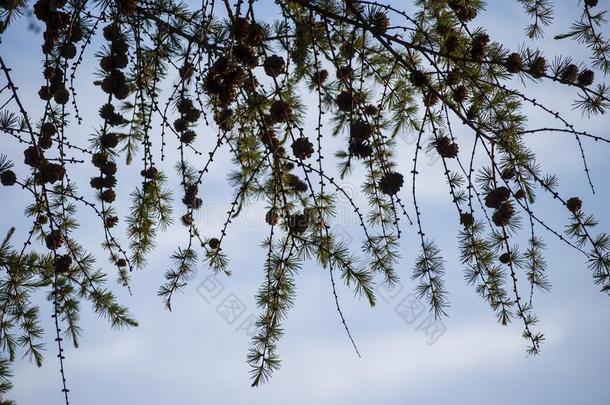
46 172
115 82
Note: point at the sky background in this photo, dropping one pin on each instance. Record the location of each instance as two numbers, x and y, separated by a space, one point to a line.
194 356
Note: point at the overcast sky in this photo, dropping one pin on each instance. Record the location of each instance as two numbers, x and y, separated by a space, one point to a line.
196 354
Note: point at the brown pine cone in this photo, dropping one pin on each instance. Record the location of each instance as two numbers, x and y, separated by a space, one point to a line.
538 67
419 79
214 243
345 101
446 148
8 178
54 240
298 223
62 263
586 78
379 23
320 76
569 74
505 258
302 148
33 156
467 219
109 140
274 65
108 195
502 215
574 204
272 216
496 197
391 183
513 63
280 111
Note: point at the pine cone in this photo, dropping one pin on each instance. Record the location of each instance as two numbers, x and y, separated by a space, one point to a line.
48 129
467 219
192 115
108 168
379 23
224 119
298 223
280 111
111 221
460 94
54 240
505 258
513 63
479 45
240 29
586 78
320 76
419 79
99 159
186 219
45 142
150 173
538 67
574 204
62 263
371 110
127 7
190 195
214 243
298 185
246 55
345 73
61 96
68 50
452 42
446 148
109 140
360 149
180 125
109 181
274 65
112 32
302 148
33 156
391 183
45 93
496 197
97 183
345 101
272 216
107 111
454 77
108 195
503 214
8 178
188 136
520 194
360 129
569 74
256 35
50 173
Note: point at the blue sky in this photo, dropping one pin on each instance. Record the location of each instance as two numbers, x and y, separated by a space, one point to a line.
194 356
